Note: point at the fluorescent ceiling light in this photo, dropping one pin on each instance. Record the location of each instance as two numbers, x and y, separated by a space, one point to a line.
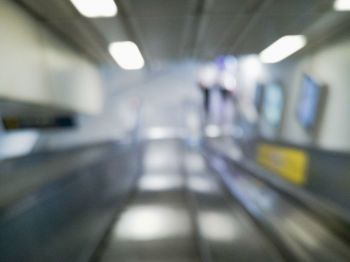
96 8
342 5
127 55
283 48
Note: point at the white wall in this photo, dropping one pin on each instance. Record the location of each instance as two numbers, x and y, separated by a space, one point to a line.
162 95
328 65
37 67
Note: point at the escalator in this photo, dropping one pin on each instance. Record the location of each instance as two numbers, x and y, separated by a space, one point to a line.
193 205
180 213
162 201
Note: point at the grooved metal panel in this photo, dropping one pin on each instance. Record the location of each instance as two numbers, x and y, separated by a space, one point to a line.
160 8
229 7
168 30
62 18
272 27
161 37
219 34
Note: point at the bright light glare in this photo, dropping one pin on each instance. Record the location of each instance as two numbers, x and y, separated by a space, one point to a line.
96 8
202 185
208 75
160 182
228 81
218 226
251 67
17 143
342 5
127 55
158 158
212 131
155 133
283 48
144 223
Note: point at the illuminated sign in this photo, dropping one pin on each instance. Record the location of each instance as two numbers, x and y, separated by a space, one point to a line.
287 162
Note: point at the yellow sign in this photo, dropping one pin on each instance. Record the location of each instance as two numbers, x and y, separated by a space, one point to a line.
287 162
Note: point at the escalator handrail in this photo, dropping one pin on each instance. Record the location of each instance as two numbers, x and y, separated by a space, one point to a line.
332 217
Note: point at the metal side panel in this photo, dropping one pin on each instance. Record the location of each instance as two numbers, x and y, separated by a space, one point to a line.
64 219
295 230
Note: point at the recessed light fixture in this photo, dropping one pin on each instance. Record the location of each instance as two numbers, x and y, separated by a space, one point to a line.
96 8
283 48
127 55
342 5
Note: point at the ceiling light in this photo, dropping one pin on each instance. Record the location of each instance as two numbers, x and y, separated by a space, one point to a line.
342 5
96 8
283 48
127 55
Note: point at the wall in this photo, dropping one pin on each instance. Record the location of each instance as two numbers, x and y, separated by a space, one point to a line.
38 67
159 95
328 65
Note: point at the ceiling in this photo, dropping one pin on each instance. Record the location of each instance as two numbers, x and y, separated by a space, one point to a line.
171 30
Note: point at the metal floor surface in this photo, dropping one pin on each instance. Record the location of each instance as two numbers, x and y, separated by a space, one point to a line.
180 213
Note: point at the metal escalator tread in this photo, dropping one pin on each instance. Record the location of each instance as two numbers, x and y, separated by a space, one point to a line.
155 225
227 232
180 213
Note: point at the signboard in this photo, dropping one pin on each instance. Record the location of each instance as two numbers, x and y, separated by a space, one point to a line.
287 162
15 123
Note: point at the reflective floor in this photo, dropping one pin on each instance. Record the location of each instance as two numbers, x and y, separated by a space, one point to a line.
180 213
